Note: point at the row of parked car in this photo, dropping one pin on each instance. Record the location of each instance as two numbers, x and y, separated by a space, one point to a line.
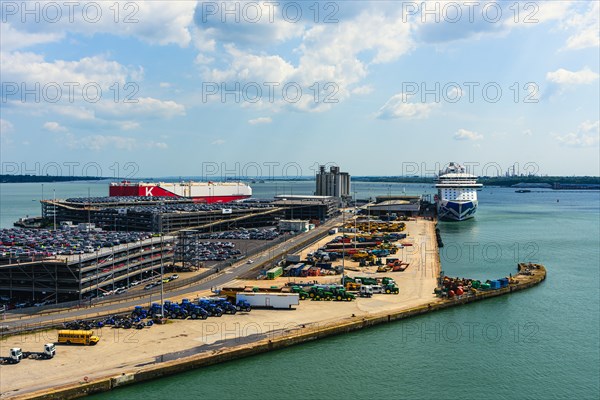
244 234
27 243
166 279
196 250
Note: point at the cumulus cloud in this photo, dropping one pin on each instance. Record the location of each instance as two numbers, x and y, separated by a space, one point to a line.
565 77
112 94
260 120
218 142
587 28
399 106
149 21
586 135
463 134
329 60
54 127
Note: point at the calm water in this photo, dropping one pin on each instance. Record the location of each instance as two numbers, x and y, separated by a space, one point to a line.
539 344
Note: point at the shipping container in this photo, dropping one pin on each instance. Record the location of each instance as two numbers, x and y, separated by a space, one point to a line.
292 258
270 300
274 273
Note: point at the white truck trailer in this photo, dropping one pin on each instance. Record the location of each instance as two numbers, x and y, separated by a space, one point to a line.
269 300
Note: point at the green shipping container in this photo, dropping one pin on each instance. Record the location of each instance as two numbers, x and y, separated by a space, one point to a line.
274 272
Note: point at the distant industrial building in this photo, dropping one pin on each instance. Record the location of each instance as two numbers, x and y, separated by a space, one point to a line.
390 206
333 183
294 225
319 208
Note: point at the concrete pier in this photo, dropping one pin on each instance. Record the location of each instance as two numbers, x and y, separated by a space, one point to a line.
529 275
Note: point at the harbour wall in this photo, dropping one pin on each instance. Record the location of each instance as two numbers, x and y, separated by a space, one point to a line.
155 371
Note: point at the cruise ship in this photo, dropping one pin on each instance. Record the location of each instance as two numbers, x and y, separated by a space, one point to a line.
203 192
457 193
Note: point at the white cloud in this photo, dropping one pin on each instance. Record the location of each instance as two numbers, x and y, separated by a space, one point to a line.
113 92
165 85
362 90
328 62
107 142
398 106
154 22
260 120
145 106
587 135
455 92
218 142
527 132
12 39
33 69
6 127
54 127
157 145
589 126
129 125
586 26
77 112
463 134
565 77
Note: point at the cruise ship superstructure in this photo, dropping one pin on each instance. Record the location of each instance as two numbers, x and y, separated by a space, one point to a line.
457 193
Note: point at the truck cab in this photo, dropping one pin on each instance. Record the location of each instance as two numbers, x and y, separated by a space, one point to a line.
366 291
49 350
16 355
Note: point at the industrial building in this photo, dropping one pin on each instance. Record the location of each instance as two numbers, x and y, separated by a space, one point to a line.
304 207
75 277
294 225
333 183
390 206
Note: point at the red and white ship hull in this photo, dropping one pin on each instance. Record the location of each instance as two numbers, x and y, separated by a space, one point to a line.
202 192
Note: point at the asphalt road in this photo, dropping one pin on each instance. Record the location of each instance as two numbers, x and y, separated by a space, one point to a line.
219 280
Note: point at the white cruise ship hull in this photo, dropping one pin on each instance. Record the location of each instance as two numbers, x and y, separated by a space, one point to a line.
452 210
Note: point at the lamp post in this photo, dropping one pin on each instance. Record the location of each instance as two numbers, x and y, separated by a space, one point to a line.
343 248
162 307
54 207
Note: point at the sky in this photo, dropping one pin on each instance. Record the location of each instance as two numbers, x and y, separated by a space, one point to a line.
133 89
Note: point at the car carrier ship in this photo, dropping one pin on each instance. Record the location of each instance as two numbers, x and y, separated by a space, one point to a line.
201 192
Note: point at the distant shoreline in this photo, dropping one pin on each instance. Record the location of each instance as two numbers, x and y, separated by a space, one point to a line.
46 179
549 182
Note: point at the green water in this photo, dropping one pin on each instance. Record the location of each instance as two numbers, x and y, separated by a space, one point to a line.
538 344
542 343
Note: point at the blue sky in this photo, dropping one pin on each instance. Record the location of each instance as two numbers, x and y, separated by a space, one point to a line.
187 88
